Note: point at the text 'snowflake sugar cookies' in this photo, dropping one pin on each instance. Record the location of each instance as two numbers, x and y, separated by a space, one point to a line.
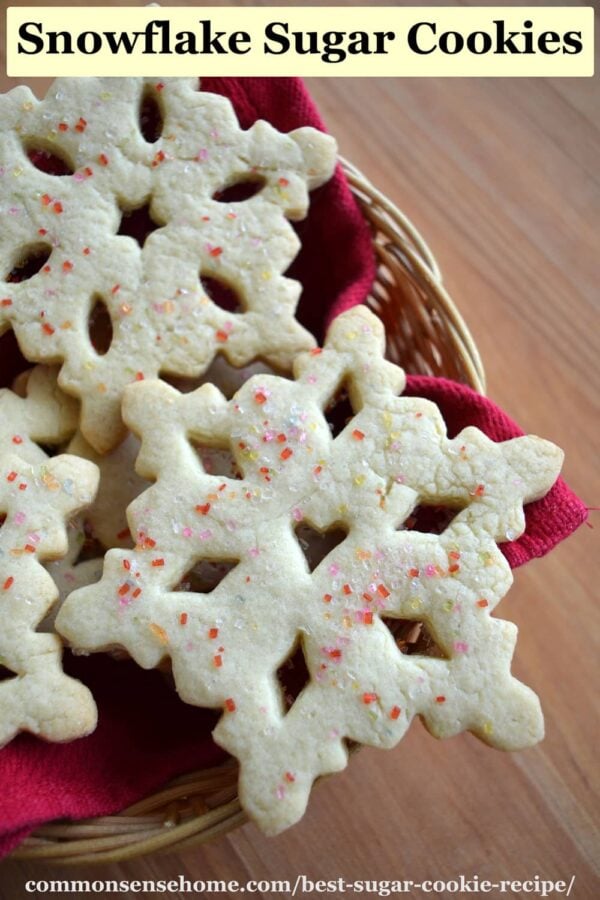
70 256
35 693
228 645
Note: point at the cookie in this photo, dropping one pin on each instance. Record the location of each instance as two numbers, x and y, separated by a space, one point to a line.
228 645
208 278
35 694
39 413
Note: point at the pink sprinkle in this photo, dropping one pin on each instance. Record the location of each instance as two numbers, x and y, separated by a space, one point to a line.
256 242
334 733
268 436
280 792
34 538
334 569
205 535
20 518
202 155
214 133
254 552
461 646
312 379
298 515
78 176
187 531
430 570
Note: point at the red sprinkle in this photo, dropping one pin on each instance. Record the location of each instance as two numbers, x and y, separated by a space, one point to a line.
103 159
482 603
414 573
286 453
283 182
213 633
17 439
123 534
221 336
259 397
57 207
367 597
159 86
126 564
67 266
289 777
216 251
327 598
347 589
440 699
136 593
358 435
139 376
367 617
479 490
86 251
369 698
62 126
334 654
124 589
158 562
8 583
115 288
183 619
203 509
382 591
46 199
81 125
230 705
454 568
217 661
29 548
47 328
281 439
11 476
6 302
395 712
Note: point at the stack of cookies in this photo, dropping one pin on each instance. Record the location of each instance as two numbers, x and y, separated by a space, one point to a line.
176 482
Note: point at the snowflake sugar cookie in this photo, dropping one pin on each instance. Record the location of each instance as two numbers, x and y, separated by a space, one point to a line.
35 694
68 262
227 645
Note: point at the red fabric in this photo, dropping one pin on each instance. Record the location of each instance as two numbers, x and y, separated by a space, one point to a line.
145 735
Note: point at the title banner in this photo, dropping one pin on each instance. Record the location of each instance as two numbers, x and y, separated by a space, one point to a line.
307 41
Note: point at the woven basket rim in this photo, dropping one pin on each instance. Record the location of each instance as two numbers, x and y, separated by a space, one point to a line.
156 823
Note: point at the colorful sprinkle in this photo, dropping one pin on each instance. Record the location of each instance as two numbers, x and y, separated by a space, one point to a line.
369 698
395 712
8 583
358 435
183 617
230 705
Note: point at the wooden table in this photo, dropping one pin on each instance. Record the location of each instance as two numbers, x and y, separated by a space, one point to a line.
502 178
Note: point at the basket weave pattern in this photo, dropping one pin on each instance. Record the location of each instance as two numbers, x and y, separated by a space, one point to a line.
425 334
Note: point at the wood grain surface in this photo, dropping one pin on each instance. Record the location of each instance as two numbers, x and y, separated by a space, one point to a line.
503 179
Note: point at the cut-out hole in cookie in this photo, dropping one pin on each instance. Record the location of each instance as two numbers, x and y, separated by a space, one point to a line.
206 575
339 411
240 190
151 117
413 637
100 327
52 162
6 674
316 545
222 294
137 223
217 460
293 676
29 262
430 519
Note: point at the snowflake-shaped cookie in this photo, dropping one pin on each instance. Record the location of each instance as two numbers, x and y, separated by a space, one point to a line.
35 694
227 645
158 296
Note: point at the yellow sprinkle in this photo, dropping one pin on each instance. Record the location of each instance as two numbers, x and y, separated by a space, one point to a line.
168 306
343 508
488 728
448 606
50 482
102 388
17 171
351 335
266 275
387 419
28 106
415 603
159 633
359 479
347 622
125 309
66 325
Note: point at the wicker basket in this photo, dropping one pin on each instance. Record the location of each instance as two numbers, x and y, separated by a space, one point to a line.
426 334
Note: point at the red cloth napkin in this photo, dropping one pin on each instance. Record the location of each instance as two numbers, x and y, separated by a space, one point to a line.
145 735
